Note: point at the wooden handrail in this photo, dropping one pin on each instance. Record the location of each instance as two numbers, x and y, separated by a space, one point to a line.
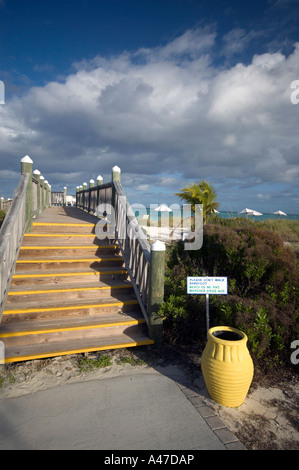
144 263
134 247
31 198
91 198
11 235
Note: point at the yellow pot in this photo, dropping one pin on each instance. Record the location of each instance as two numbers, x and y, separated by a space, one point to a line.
227 366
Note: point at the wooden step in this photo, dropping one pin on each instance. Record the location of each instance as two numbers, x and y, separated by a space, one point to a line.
49 239
60 348
70 334
61 277
85 260
59 309
70 292
80 227
48 325
73 291
48 251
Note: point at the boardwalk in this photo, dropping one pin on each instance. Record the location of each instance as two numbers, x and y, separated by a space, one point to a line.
70 292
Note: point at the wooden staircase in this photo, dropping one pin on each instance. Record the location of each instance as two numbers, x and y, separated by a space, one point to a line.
70 292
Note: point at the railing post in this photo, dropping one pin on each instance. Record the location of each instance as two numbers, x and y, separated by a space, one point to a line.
156 291
26 167
77 195
36 175
84 194
116 176
99 183
91 185
42 188
1 203
47 193
64 195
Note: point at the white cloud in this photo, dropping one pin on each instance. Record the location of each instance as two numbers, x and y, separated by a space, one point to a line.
166 111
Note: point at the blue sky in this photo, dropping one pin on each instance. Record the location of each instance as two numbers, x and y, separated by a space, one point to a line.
171 91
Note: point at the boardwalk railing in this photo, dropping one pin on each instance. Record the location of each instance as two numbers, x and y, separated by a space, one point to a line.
31 197
144 263
134 247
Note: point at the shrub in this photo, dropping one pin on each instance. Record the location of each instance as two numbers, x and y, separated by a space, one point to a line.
263 289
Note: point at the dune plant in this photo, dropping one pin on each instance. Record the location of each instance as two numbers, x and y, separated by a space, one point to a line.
263 289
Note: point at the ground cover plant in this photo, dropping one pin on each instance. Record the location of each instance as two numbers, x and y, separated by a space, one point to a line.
263 289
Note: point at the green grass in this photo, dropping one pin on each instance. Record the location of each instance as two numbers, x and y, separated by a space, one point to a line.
86 364
288 230
132 361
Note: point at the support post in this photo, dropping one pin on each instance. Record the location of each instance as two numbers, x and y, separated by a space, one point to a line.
156 291
91 185
26 167
47 193
116 176
42 188
36 175
99 183
84 194
64 195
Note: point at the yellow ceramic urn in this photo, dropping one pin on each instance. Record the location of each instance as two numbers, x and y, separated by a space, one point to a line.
227 366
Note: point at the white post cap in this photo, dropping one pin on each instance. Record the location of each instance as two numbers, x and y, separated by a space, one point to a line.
91 181
158 246
100 177
116 169
26 159
42 178
36 172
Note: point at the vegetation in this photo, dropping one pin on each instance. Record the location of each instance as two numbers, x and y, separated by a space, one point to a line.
200 193
86 364
263 287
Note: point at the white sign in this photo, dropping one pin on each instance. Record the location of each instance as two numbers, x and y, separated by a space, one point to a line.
207 285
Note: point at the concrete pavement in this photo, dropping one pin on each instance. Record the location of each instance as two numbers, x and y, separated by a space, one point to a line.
138 411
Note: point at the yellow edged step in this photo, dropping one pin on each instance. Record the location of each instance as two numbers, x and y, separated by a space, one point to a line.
70 294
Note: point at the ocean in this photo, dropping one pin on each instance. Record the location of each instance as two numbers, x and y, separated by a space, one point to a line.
229 215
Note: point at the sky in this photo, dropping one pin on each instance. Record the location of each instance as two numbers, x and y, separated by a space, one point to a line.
171 91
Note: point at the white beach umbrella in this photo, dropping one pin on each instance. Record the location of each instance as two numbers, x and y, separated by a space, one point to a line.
279 213
250 212
256 213
163 208
247 211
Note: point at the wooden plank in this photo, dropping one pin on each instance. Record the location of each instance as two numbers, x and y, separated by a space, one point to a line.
69 291
130 327
61 349
54 306
33 326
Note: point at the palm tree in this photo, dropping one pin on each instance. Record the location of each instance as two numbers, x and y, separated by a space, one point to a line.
200 193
